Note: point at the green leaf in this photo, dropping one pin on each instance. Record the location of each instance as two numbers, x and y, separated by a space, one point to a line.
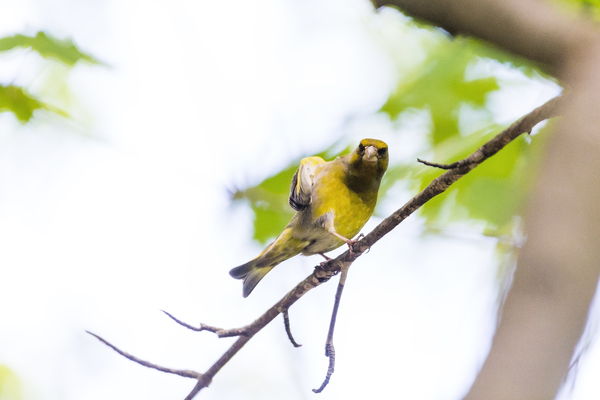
494 192
49 47
440 86
18 101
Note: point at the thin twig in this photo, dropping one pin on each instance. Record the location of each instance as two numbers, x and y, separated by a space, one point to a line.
288 330
203 327
329 348
181 372
442 166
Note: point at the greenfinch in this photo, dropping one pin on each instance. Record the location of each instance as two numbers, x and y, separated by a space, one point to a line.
333 201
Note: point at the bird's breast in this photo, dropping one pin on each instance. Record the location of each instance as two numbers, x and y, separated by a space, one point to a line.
334 203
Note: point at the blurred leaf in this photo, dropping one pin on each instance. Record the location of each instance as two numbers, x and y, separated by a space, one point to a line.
269 202
17 99
441 87
494 192
9 385
394 174
269 199
48 47
19 102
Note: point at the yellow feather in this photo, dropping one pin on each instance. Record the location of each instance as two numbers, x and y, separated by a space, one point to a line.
334 199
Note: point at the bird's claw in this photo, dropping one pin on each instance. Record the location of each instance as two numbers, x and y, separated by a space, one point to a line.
352 242
322 264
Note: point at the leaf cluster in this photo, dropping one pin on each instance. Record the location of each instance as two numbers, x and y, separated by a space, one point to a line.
19 100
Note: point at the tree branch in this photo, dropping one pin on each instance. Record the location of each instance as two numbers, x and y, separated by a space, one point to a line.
530 29
326 270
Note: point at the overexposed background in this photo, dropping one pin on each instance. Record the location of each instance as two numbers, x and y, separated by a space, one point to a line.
124 208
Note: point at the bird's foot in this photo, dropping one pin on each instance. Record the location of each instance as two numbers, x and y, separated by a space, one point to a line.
322 264
351 242
351 245
324 256
361 236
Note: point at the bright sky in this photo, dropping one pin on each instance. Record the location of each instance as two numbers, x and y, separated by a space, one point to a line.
122 211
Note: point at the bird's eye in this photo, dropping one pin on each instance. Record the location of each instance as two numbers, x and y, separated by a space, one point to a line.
361 148
382 151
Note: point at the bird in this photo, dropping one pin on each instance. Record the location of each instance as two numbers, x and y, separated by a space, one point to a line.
333 200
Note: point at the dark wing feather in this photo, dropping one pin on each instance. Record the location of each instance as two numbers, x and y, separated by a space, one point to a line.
294 199
301 187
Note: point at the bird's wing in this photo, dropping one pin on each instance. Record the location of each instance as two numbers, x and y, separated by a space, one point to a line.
302 182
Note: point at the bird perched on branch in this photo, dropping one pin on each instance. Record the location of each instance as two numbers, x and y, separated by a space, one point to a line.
333 200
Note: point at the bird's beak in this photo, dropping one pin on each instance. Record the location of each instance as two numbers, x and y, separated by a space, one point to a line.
370 154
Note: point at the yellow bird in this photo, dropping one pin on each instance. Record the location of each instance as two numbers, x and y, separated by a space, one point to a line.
333 200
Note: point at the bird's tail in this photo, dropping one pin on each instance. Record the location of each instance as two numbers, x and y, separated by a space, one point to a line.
251 274
284 247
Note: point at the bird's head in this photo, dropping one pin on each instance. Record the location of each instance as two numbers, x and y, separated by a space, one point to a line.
372 155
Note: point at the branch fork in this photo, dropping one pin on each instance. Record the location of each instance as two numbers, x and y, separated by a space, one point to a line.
221 333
